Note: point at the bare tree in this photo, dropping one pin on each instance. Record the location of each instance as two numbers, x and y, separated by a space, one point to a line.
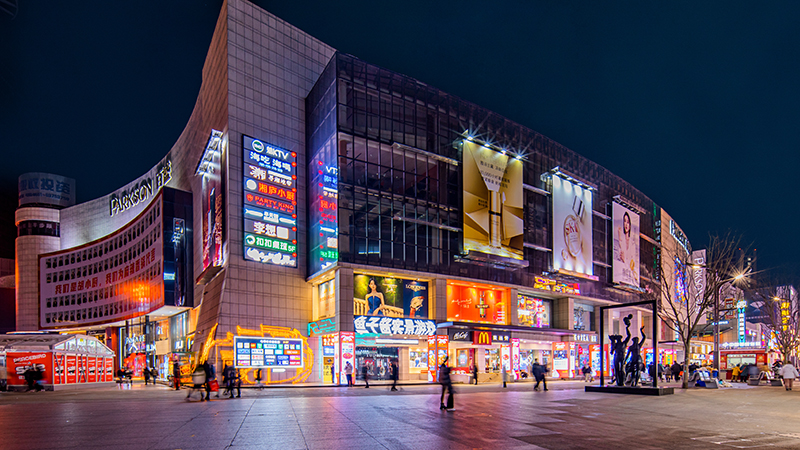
682 304
780 316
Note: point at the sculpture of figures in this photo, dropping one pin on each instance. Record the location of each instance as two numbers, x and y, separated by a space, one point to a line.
635 361
618 350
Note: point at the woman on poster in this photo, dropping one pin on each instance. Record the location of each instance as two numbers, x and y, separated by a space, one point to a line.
374 299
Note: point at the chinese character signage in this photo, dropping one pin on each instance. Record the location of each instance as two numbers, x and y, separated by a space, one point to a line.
572 227
258 352
270 202
477 304
394 326
626 245
546 284
323 173
493 202
533 312
386 296
46 189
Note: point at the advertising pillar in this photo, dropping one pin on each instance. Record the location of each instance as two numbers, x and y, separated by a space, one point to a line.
437 352
515 357
348 351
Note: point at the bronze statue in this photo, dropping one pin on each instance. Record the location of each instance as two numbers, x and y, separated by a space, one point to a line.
635 361
618 350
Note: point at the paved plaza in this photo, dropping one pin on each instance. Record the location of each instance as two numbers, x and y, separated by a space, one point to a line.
486 417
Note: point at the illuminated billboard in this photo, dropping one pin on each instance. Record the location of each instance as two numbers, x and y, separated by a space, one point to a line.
46 189
626 245
477 303
572 227
270 202
387 296
213 201
493 202
323 195
267 352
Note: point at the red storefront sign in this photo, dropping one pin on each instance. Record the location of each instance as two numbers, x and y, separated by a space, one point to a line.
72 369
92 368
18 362
481 337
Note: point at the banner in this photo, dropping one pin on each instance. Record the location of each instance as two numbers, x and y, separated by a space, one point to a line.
572 228
392 297
18 362
393 326
493 202
626 245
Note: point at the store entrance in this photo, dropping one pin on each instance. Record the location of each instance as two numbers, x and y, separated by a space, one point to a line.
378 361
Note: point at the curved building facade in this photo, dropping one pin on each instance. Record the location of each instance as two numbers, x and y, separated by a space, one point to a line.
319 211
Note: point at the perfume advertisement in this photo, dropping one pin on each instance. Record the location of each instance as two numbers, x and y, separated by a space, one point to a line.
626 245
572 228
493 202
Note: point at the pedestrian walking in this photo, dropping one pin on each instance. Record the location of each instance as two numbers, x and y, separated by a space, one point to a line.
3 379
447 386
235 382
146 374
207 382
365 374
198 380
504 376
676 370
789 373
538 372
176 375
259 384
333 374
348 370
587 373
395 375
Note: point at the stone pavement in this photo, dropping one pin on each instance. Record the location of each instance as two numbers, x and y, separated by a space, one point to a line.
486 416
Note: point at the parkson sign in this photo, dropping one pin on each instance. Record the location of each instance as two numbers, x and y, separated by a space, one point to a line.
142 190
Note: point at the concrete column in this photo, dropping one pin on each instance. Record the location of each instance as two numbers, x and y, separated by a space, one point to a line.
512 308
480 358
403 364
344 299
438 299
563 314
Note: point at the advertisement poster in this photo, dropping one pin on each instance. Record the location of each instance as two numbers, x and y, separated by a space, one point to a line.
91 368
109 369
561 360
213 203
626 245
327 299
18 362
58 368
533 312
72 369
391 297
493 202
348 346
477 304
594 352
572 228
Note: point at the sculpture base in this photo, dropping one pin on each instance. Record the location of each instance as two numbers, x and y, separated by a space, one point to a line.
644 390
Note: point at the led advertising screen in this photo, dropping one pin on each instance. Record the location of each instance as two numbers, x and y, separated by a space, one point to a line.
261 353
477 304
270 202
533 312
392 297
493 202
626 245
572 228
323 196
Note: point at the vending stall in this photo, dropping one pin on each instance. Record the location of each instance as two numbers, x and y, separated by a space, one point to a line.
63 359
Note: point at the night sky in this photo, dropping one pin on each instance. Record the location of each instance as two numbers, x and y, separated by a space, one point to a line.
697 105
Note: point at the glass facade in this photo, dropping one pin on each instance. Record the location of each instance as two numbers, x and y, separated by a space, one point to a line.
398 157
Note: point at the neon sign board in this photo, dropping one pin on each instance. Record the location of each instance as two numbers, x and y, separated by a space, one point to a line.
324 216
270 203
258 352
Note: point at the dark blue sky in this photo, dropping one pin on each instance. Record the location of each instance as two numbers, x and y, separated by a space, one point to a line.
695 104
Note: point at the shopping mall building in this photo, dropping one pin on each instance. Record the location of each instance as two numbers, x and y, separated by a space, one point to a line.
318 210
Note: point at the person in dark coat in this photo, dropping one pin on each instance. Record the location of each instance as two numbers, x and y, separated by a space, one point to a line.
146 374
365 374
395 375
445 381
176 375
676 370
475 374
538 372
